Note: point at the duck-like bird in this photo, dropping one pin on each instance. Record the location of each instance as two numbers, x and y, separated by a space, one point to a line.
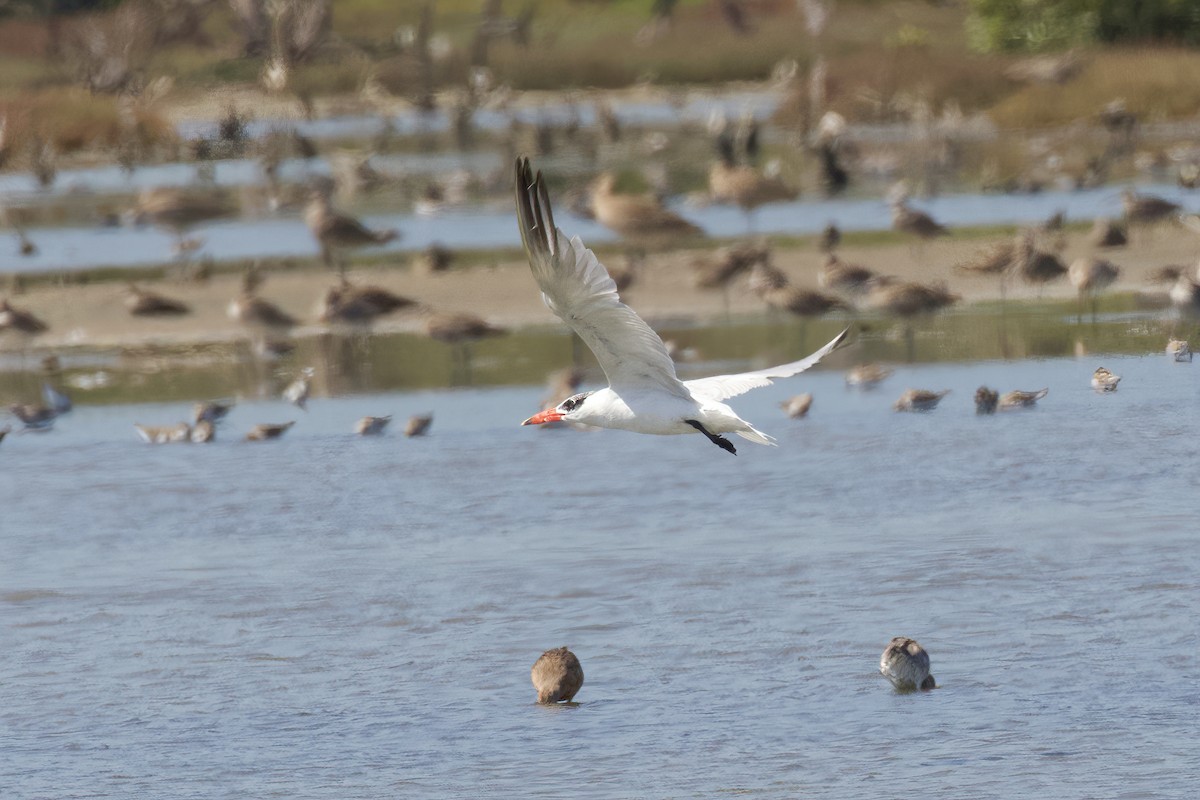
644 395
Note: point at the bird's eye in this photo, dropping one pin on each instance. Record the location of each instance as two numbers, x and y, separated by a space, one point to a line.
568 404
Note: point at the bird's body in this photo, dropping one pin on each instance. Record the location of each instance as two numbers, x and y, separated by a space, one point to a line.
458 327
1104 381
203 431
265 430
644 395
142 303
20 320
1146 208
297 392
986 400
253 311
919 400
371 426
840 276
360 304
909 220
798 406
418 425
1106 233
177 210
906 664
1090 275
636 216
557 676
1020 399
210 411
905 299
34 418
164 434
338 233
867 376
1179 350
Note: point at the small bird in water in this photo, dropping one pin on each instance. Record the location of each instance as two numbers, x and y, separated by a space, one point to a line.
906 664
986 400
298 390
919 400
867 376
210 411
798 406
1019 399
371 426
34 418
265 430
163 434
418 424
557 676
203 431
1104 381
1179 350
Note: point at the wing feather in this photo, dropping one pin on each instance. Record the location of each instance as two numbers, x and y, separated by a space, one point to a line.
722 387
579 290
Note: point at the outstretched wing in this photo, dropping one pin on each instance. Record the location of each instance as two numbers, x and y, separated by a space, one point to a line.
577 287
722 387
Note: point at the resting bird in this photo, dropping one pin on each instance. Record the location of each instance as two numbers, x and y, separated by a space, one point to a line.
644 395
906 664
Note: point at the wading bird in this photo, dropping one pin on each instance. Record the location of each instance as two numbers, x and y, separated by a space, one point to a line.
556 675
906 664
644 395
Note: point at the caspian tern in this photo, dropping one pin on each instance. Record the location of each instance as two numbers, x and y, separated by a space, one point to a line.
644 395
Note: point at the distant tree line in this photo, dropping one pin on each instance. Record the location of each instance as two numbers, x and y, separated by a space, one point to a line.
44 8
1039 25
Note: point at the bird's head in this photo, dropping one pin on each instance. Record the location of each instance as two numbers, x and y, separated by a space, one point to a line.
569 410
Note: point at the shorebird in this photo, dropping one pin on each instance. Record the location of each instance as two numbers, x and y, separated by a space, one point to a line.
178 211
1019 399
1104 381
19 320
867 376
557 676
163 434
33 417
460 330
1146 209
638 217
142 303
418 425
210 411
919 400
998 259
1106 233
986 400
203 432
909 220
798 406
644 395
742 184
266 430
298 390
253 311
840 276
371 426
729 262
337 233
1179 350
1037 266
830 238
906 664
910 299
1090 276
360 304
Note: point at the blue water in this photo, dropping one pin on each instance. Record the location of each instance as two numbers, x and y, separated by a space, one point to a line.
330 617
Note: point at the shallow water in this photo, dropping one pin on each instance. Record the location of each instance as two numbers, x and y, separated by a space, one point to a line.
493 225
325 616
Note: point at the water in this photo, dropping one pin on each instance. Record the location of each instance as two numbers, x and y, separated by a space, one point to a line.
331 617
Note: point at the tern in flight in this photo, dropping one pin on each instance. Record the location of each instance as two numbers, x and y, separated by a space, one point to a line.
643 395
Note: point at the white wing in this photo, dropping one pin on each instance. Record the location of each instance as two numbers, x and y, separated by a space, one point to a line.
722 387
577 287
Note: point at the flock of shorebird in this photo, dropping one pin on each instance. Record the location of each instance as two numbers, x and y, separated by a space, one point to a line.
557 675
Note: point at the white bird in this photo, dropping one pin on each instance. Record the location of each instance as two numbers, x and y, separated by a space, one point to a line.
644 395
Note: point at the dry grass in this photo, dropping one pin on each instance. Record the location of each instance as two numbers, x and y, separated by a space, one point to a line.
72 119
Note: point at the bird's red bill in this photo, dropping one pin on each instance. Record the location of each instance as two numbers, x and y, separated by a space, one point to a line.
549 415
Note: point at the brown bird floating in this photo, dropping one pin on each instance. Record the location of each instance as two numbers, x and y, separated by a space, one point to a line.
371 426
919 400
906 665
264 431
418 425
557 676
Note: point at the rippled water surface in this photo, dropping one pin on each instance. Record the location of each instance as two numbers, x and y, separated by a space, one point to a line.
331 617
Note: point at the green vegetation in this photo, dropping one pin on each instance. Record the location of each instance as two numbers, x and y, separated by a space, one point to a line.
1041 25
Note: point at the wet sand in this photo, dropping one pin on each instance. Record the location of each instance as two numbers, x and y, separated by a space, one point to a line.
94 315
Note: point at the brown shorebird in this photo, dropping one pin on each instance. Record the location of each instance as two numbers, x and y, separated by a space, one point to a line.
997 260
906 665
1104 381
210 411
986 400
337 233
919 400
203 432
798 406
729 262
840 276
266 430
34 417
142 303
178 211
1090 276
255 312
371 426
557 676
640 217
906 299
360 304
1146 209
909 220
1106 233
19 320
776 291
867 376
164 434
436 258
460 328
742 184
1037 266
1020 399
418 425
